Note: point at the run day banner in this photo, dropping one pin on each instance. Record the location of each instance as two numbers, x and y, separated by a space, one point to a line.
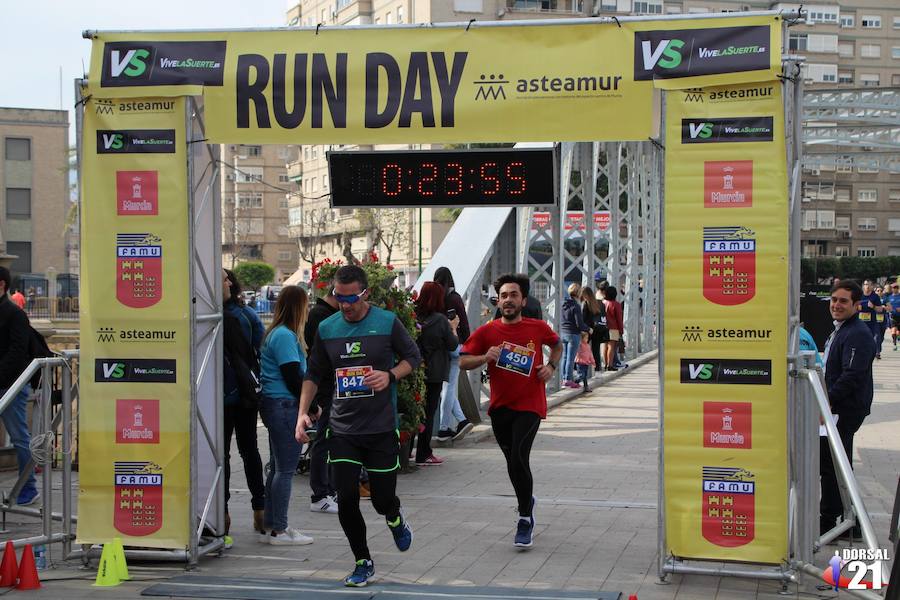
726 315
135 344
415 84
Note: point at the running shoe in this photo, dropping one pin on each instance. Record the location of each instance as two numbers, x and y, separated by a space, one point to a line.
326 505
229 542
571 384
430 461
445 435
525 528
28 496
289 537
402 532
361 574
464 427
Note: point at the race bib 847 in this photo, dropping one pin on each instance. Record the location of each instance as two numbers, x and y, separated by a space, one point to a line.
349 382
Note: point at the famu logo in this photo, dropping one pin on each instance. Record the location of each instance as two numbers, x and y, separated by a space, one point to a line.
678 53
726 371
135 141
162 63
735 129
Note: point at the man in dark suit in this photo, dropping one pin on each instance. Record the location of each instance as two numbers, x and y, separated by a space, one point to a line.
849 353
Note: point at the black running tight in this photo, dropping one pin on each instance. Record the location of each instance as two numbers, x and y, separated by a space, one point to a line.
514 431
384 499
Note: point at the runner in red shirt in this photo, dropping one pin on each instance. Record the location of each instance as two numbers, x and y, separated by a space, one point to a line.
512 349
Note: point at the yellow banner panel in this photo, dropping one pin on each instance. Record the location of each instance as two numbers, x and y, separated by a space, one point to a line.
135 345
725 319
567 82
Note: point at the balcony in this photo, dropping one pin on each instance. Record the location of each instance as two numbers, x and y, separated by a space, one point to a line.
295 171
572 7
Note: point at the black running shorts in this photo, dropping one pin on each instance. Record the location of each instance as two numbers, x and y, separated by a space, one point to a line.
377 452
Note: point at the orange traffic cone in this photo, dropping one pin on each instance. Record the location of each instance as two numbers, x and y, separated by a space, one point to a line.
8 568
28 575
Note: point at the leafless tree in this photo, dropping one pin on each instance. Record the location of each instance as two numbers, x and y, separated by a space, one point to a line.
389 228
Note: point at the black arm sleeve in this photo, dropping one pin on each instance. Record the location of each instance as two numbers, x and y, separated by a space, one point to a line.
290 372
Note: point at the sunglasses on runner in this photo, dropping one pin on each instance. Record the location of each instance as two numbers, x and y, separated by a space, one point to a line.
351 299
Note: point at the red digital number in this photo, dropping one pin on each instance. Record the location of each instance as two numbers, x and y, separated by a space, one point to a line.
456 179
391 188
515 175
487 177
428 179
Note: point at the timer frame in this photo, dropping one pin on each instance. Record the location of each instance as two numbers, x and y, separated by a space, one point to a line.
343 196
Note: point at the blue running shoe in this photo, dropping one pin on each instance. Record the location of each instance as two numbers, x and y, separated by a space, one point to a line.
361 574
402 532
525 529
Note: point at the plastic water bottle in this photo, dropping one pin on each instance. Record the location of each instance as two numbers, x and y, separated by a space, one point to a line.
40 557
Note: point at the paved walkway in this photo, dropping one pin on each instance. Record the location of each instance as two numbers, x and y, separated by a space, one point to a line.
595 465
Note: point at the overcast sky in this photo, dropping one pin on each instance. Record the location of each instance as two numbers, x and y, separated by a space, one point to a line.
38 37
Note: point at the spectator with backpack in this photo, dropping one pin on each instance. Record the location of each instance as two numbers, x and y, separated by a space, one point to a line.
594 314
437 339
15 355
243 333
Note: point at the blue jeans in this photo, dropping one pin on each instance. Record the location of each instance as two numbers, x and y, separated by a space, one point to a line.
571 341
15 419
450 408
280 417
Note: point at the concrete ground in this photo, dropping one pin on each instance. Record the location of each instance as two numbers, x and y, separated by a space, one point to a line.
595 467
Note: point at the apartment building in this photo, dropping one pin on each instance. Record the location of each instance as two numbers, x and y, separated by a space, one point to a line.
255 193
34 179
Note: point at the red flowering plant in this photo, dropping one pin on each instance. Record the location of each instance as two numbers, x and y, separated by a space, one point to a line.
410 389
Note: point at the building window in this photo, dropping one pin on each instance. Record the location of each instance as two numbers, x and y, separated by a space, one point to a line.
645 7
249 174
842 223
896 22
894 195
324 182
18 149
283 178
315 152
18 203
251 151
842 251
23 251
865 252
283 152
845 77
400 14
867 169
845 49
305 152
871 22
250 200
797 41
894 225
867 195
388 18
870 51
820 16
283 202
867 223
842 194
847 21
870 79
894 251
895 79
285 255
895 52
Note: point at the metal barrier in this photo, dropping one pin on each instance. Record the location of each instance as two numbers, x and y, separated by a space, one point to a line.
42 450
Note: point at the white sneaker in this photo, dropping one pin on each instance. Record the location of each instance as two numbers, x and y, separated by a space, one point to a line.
263 537
289 537
328 505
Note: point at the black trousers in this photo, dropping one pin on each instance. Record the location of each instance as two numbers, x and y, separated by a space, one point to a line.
830 506
320 478
514 431
597 351
432 401
241 422
383 487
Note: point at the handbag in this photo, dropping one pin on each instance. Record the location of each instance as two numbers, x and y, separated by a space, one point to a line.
584 356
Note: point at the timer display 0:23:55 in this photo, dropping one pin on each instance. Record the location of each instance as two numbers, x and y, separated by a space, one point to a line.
453 179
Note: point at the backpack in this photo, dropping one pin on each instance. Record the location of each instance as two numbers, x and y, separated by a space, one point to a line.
599 324
241 364
37 348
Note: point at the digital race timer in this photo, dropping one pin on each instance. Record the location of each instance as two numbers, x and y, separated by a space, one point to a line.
411 178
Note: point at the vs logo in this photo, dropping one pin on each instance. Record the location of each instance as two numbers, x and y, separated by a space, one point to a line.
701 371
353 347
670 49
701 130
133 63
113 370
113 141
